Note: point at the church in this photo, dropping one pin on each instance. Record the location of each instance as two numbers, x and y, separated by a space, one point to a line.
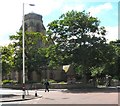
34 23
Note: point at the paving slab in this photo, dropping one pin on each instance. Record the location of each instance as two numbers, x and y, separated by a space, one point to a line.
77 96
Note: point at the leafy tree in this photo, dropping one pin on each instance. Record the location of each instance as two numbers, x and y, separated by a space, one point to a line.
7 54
79 37
34 54
115 64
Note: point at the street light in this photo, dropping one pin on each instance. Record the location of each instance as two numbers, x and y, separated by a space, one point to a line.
23 34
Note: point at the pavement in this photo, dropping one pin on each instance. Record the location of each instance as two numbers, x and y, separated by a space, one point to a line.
15 98
65 96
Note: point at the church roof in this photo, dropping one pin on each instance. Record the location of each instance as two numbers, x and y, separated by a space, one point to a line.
33 16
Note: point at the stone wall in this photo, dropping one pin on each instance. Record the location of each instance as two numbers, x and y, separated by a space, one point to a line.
34 22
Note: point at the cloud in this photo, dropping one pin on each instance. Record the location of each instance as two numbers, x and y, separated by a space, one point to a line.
45 7
78 7
5 42
112 33
96 10
11 13
100 1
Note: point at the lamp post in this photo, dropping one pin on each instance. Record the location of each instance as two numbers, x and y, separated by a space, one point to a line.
23 35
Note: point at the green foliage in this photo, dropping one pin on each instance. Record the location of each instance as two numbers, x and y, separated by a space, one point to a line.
9 82
79 69
74 36
52 81
35 51
7 54
79 39
115 63
97 71
62 82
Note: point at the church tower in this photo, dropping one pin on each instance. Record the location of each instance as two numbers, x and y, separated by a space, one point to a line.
34 23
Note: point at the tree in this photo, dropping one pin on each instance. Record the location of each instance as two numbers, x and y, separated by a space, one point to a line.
114 67
79 37
34 54
7 53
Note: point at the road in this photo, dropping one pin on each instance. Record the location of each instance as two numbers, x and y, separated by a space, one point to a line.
68 97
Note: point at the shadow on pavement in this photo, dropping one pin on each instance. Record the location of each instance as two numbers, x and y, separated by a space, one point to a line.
7 96
18 98
92 90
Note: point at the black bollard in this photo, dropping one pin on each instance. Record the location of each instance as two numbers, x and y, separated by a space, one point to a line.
35 93
23 95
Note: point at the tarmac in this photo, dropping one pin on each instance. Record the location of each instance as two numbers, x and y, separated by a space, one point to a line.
65 96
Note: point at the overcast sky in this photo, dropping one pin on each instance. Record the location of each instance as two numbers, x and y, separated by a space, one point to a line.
11 14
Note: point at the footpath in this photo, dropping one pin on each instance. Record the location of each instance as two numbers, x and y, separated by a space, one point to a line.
66 96
18 97
13 98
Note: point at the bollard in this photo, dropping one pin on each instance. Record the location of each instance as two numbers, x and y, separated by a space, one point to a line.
23 95
27 92
35 93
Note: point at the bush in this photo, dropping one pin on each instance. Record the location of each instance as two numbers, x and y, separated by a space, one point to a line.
62 82
52 81
9 82
116 78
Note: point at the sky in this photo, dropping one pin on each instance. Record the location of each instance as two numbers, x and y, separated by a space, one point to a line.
11 13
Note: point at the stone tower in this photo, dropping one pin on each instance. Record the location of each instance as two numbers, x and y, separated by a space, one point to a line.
34 23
